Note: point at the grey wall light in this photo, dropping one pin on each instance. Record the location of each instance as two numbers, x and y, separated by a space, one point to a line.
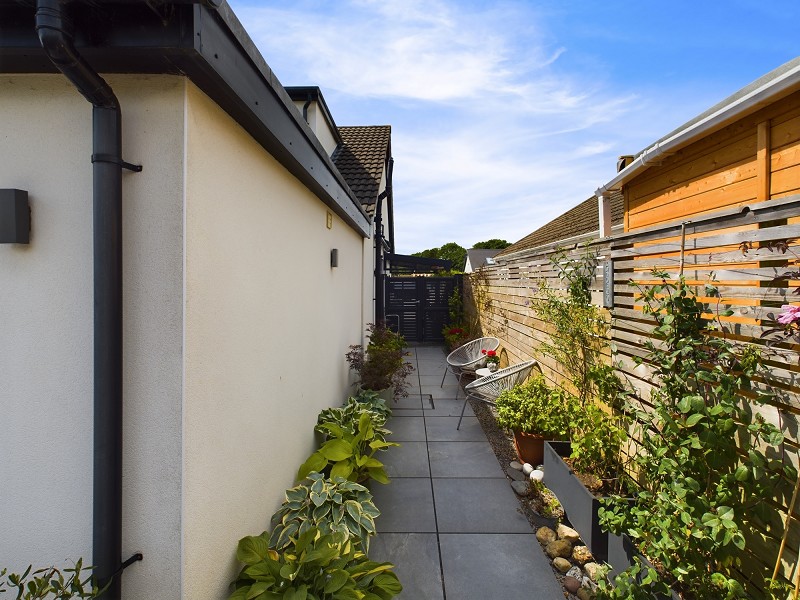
335 257
15 217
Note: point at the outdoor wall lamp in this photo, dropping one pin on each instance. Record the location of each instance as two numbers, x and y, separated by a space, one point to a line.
334 257
15 217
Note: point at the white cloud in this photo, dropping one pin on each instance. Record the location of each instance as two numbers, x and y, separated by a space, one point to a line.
492 135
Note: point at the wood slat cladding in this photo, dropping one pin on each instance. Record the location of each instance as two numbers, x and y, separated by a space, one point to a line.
715 247
753 159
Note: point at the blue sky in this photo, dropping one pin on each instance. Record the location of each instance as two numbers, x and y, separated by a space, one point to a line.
506 114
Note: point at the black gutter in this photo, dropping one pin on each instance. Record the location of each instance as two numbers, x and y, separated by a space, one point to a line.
54 29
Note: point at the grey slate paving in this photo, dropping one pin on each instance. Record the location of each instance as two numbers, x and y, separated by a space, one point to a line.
406 506
443 429
489 566
410 459
477 506
416 560
406 428
449 508
463 459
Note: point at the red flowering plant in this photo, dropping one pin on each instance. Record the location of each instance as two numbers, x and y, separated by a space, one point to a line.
491 356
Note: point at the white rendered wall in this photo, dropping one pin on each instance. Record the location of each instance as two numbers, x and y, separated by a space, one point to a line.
267 324
319 125
46 299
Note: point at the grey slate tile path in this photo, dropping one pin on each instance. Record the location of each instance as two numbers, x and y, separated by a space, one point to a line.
449 519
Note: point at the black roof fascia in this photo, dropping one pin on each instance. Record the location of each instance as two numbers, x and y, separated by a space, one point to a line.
213 50
417 264
303 92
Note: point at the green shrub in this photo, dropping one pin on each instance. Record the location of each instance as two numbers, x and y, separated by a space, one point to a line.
535 407
349 454
336 505
50 583
315 566
382 365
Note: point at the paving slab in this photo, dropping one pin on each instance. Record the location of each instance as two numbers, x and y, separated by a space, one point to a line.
406 428
449 407
463 459
436 392
477 506
406 506
416 560
443 429
484 566
410 459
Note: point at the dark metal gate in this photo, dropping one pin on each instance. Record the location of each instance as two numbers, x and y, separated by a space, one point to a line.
418 306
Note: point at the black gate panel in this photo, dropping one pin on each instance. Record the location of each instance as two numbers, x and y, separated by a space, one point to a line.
418 306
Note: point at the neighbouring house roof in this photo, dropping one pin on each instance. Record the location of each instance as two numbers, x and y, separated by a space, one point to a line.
476 257
361 159
204 41
580 220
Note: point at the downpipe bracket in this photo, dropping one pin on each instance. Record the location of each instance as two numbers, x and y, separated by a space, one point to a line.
107 158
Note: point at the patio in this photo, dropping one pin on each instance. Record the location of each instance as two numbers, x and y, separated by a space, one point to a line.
449 518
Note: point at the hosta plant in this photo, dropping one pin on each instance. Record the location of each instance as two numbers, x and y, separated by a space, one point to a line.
349 415
349 453
330 505
315 566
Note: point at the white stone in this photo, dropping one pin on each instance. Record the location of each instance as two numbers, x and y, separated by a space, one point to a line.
527 468
537 475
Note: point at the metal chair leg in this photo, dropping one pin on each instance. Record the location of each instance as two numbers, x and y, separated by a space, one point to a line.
458 387
446 369
463 409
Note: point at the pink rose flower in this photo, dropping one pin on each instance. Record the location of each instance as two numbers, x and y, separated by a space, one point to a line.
789 315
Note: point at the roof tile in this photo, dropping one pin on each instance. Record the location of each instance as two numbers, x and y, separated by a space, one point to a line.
361 159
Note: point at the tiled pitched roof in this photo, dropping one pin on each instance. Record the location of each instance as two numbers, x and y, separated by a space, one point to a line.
361 159
580 220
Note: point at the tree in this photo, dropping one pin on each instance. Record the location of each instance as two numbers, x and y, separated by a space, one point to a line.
493 244
451 251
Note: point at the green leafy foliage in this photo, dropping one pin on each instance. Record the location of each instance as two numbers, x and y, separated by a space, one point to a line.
578 329
708 464
348 416
349 452
51 583
314 566
493 244
535 407
456 254
382 365
330 505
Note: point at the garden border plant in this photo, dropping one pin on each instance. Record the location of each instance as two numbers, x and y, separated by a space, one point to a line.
381 365
704 472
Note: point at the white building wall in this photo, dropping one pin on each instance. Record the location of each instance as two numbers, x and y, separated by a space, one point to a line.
268 322
235 329
47 328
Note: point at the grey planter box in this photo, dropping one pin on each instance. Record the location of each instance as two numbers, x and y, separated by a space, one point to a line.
579 504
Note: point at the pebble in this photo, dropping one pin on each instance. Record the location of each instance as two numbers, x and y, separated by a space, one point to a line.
537 475
584 594
581 554
520 487
515 465
545 535
593 570
527 468
515 475
567 533
562 564
571 584
560 548
576 573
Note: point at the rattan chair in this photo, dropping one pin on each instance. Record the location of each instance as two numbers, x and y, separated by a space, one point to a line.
487 389
469 357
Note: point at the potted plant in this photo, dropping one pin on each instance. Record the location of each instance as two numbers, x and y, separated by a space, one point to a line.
587 468
534 412
492 360
381 366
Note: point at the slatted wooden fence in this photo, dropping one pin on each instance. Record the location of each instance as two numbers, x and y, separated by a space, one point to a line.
741 251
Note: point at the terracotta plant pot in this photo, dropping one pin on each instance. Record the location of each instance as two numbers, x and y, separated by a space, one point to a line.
530 447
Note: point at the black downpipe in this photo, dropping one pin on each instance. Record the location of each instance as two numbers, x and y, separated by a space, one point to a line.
380 276
55 33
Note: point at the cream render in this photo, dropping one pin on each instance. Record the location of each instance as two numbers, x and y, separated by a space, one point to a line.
235 328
